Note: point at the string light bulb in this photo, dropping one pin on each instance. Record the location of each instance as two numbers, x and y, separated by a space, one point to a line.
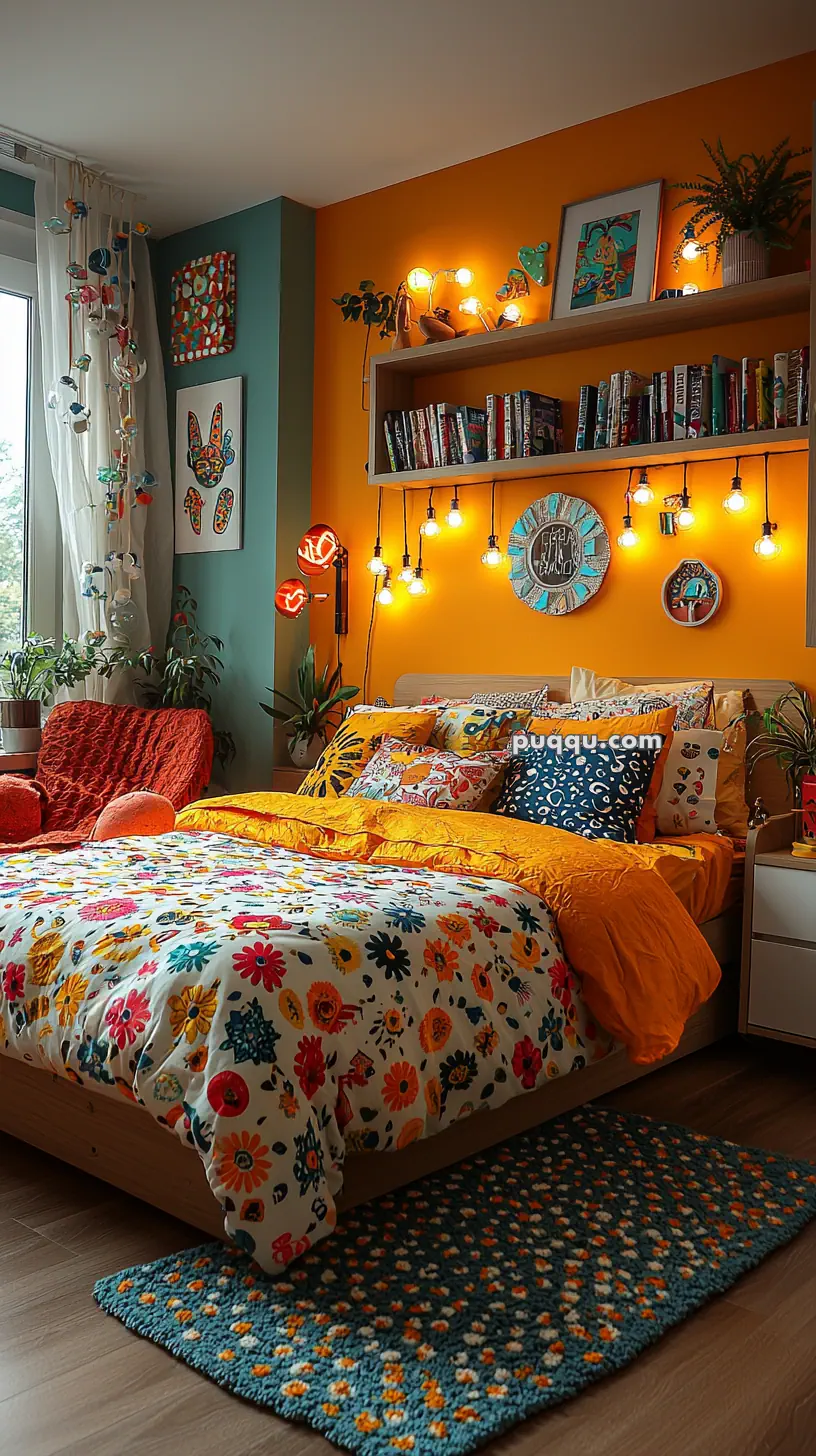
685 515
766 546
628 536
416 585
691 249
643 494
474 308
376 565
736 501
464 277
510 316
419 280
407 572
493 556
385 595
430 526
454 517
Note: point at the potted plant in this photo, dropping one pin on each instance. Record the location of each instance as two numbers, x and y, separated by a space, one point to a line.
318 697
185 670
31 674
754 202
789 737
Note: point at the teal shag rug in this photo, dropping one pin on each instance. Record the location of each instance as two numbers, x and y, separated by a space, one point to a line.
438 1316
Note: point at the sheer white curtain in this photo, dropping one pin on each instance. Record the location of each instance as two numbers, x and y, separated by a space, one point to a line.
135 549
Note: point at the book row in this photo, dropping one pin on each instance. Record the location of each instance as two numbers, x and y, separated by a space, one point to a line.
511 426
725 397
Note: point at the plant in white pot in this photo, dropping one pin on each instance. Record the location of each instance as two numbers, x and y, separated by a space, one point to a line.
32 673
754 202
319 696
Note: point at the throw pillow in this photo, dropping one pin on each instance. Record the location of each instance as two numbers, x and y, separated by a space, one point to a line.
470 729
354 743
596 792
660 723
692 709
404 774
687 800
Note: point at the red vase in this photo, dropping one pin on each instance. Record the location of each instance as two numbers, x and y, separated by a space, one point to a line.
807 788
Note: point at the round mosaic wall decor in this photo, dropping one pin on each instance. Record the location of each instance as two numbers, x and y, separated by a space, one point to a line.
559 554
692 593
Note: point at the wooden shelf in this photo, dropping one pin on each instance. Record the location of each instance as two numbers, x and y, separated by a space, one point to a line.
710 447
605 324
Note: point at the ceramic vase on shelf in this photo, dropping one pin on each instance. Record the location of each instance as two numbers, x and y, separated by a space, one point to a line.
20 725
745 259
304 752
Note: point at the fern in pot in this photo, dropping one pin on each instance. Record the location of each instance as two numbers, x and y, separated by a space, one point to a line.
316 708
755 202
789 737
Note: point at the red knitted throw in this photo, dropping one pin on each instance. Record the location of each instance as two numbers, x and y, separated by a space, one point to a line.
92 752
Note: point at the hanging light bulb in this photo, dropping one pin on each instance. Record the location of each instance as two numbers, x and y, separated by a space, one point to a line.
493 555
685 515
407 572
416 585
510 316
736 501
385 595
430 526
766 545
643 494
419 280
691 249
376 565
628 536
454 517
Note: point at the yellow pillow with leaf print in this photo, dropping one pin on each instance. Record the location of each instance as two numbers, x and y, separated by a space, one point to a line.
471 728
355 742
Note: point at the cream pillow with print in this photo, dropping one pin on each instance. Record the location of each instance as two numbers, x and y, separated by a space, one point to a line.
584 683
687 802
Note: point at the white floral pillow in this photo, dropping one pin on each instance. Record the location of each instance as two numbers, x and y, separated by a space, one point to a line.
428 777
687 801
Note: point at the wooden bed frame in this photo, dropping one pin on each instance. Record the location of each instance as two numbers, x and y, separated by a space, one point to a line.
119 1142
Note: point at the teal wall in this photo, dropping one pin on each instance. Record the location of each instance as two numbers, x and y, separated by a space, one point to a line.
274 352
16 193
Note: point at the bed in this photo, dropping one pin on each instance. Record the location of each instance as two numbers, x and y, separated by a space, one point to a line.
99 1127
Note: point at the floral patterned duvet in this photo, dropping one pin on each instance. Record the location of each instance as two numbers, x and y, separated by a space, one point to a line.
276 1010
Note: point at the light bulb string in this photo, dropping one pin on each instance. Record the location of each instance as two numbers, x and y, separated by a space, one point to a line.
492 510
767 510
378 546
404 521
430 503
628 496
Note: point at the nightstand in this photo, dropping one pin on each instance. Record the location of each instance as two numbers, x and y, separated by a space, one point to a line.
287 780
778 984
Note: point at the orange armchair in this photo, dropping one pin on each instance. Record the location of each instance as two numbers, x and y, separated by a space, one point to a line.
93 752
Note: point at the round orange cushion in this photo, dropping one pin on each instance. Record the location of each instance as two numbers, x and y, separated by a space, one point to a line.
136 813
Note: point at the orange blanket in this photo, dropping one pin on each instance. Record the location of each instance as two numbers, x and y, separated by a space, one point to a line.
644 966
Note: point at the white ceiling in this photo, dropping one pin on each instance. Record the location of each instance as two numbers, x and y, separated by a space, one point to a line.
206 107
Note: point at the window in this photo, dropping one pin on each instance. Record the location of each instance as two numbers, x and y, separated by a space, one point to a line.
28 531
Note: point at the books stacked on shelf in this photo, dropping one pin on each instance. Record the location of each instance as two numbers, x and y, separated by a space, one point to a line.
725 397
523 424
435 435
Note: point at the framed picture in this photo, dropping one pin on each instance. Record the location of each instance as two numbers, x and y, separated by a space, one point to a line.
607 251
209 466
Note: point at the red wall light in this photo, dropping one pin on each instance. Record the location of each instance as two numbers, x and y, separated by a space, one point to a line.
318 550
291 597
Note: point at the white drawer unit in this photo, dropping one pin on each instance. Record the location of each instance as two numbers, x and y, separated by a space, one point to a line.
779 948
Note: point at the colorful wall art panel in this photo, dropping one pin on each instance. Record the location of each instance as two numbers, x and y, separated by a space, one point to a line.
559 554
209 467
608 250
692 593
203 308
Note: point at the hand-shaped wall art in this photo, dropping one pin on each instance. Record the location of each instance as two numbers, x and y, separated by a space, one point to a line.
207 522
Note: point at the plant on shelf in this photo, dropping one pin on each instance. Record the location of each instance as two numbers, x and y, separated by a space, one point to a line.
789 737
376 309
754 202
319 696
32 673
185 671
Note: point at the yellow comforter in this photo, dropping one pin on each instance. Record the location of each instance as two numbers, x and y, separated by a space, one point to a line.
644 966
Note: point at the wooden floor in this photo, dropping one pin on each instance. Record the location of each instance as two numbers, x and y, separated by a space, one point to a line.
738 1379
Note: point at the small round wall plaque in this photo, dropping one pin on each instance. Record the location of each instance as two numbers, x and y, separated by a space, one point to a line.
559 554
691 594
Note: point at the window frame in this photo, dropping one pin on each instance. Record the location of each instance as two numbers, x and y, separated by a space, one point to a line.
41 568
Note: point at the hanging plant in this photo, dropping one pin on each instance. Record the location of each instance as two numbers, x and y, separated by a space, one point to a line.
749 194
376 309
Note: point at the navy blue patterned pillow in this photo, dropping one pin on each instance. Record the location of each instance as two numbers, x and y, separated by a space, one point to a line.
597 792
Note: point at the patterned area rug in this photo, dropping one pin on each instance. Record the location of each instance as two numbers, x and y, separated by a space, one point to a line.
437 1316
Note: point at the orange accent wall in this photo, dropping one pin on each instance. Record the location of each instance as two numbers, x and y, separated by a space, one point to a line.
479 214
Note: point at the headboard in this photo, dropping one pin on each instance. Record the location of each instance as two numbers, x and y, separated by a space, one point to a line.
766 780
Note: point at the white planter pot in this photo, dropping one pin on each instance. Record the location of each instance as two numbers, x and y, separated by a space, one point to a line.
20 726
745 259
304 752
